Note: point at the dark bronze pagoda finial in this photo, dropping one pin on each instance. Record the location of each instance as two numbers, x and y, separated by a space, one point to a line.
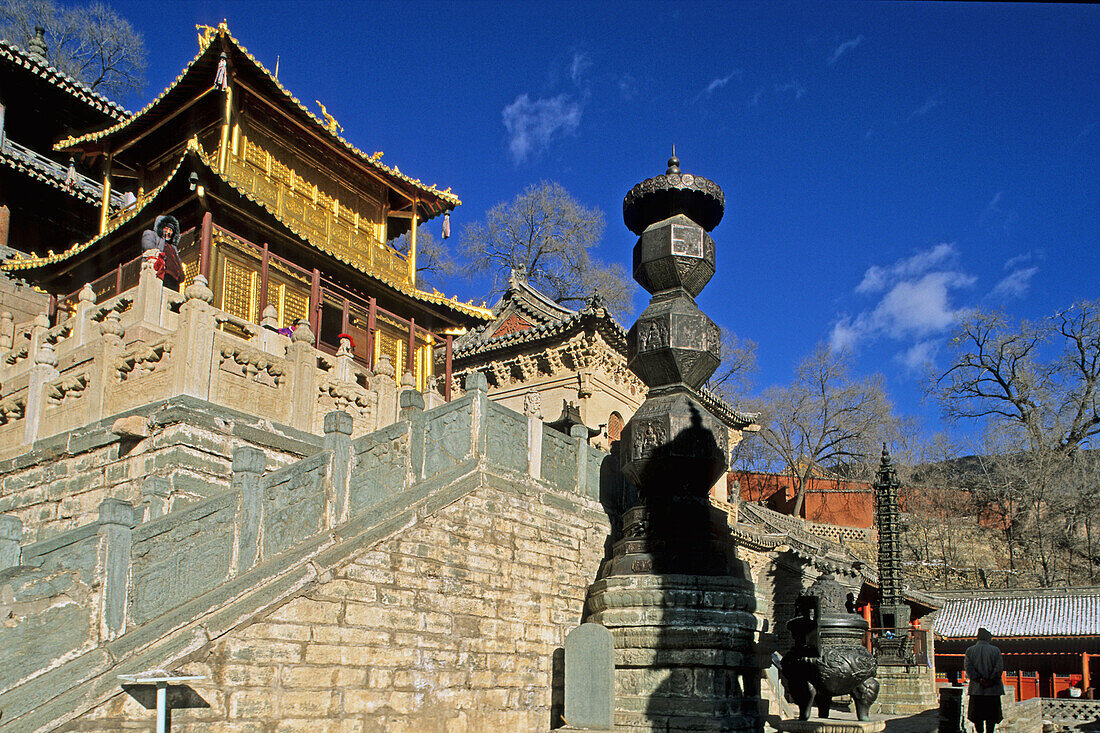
673 163
37 45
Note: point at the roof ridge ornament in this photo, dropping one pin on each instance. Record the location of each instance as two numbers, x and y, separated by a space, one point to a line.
36 46
206 35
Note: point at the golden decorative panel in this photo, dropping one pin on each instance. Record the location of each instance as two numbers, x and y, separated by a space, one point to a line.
350 228
239 289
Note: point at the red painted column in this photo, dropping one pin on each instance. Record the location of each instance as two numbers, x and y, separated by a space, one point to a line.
372 317
206 247
447 369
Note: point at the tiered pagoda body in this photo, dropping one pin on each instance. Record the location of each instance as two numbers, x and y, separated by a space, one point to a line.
277 211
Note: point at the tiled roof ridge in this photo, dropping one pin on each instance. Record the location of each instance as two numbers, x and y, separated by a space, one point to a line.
999 593
1065 614
223 29
605 324
75 87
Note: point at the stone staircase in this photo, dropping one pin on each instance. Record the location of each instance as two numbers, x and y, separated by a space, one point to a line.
115 597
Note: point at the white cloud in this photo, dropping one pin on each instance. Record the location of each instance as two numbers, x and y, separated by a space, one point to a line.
577 68
919 307
876 278
917 356
844 48
1014 263
916 295
533 124
929 104
720 82
792 86
755 99
628 87
1015 284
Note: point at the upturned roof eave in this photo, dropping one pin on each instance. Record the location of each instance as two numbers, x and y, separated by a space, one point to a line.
438 201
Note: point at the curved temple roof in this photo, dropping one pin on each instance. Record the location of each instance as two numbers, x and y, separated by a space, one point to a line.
74 87
437 201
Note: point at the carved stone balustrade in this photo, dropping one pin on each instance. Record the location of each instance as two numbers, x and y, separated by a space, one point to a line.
151 343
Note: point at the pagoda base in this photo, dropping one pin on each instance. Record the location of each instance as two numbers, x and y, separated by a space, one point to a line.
688 655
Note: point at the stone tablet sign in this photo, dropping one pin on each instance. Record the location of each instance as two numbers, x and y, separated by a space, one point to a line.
589 678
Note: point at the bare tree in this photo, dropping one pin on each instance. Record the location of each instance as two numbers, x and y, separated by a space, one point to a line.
548 233
824 419
91 43
1001 375
433 257
735 374
1033 386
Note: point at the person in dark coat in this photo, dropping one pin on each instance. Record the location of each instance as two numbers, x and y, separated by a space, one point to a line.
163 238
984 667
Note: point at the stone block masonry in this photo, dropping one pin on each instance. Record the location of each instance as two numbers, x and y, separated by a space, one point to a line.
450 625
183 457
372 586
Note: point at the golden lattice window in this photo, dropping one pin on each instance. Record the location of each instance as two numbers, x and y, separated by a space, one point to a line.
239 286
290 302
386 343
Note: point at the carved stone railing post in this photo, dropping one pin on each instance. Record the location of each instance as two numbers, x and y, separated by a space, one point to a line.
103 370
303 368
149 296
337 440
7 331
248 467
193 352
532 406
84 329
345 363
382 382
39 327
412 411
116 531
42 373
579 434
478 383
11 534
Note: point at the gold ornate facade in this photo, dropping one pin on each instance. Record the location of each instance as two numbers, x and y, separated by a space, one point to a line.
284 218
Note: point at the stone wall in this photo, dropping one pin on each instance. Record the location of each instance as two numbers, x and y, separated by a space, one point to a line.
453 547
17 299
160 457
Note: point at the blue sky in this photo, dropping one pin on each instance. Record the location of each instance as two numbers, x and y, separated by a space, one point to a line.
886 166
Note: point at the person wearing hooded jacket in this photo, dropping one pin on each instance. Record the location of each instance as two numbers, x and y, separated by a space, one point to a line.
162 238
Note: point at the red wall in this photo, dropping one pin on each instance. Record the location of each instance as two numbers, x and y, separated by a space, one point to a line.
828 501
